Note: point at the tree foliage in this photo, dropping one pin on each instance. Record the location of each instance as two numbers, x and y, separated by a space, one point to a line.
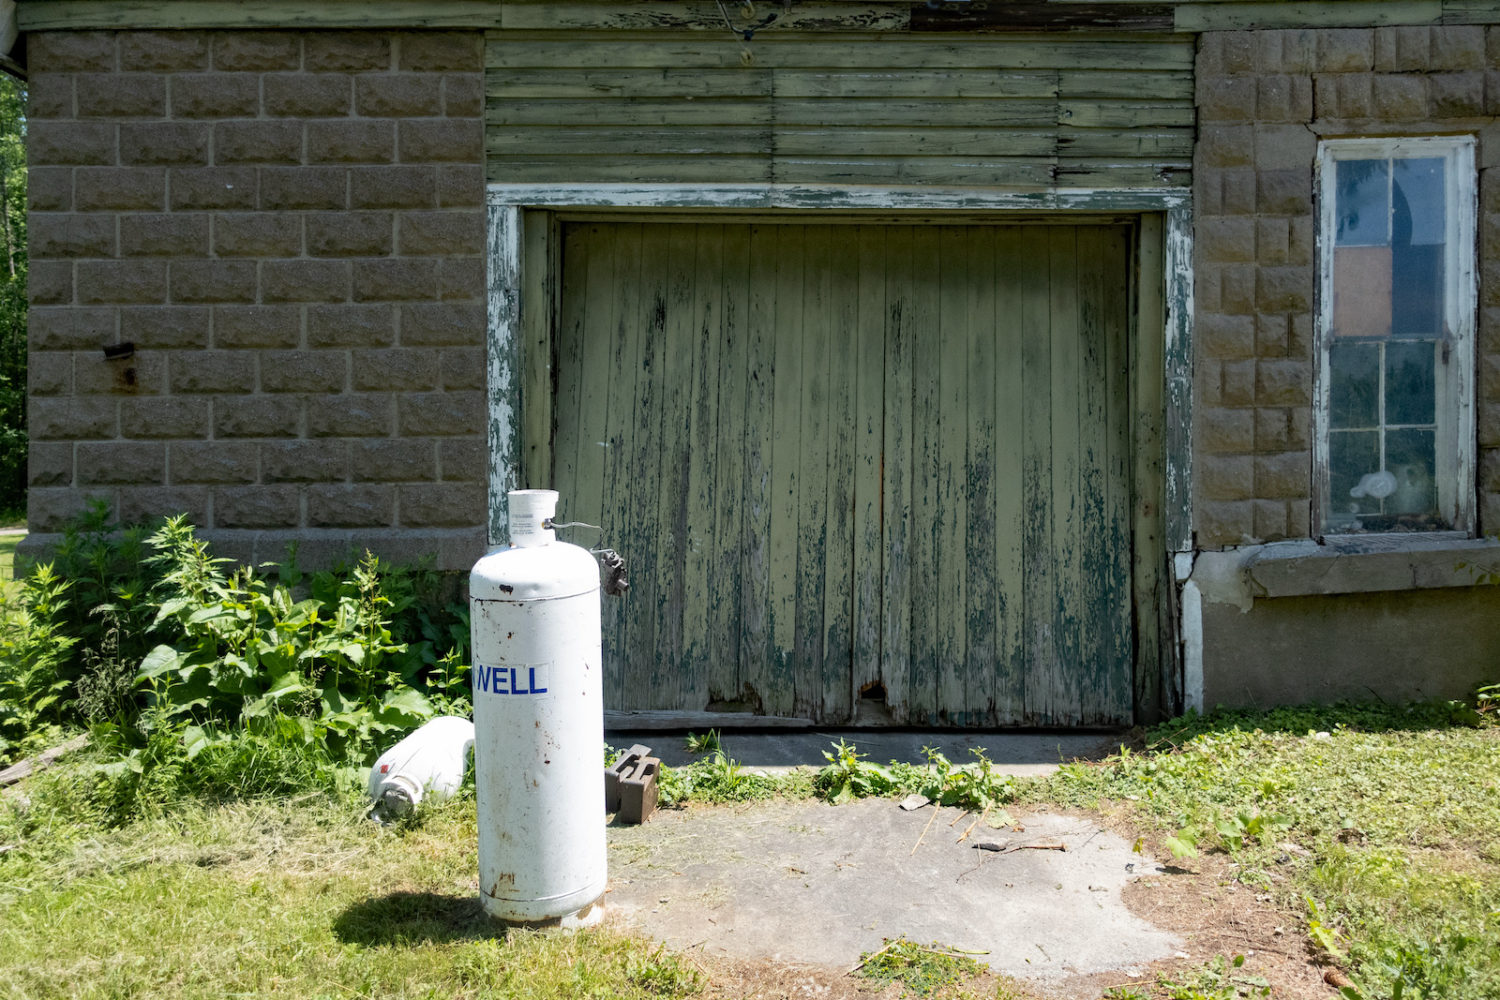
12 295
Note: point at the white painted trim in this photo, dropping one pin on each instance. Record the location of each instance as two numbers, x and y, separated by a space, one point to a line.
1192 648
1462 207
503 376
1178 357
800 196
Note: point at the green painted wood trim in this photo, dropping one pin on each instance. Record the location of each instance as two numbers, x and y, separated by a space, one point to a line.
869 16
705 15
1155 650
798 197
671 89
1197 17
1471 11
503 423
651 51
58 15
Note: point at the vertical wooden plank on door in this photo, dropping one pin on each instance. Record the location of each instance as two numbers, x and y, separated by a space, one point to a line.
869 425
674 460
1016 271
896 519
1120 623
755 643
1067 546
813 455
702 528
927 359
1035 329
951 524
642 485
619 300
726 572
779 690
980 644
606 348
838 594
600 311
538 317
572 320
1093 602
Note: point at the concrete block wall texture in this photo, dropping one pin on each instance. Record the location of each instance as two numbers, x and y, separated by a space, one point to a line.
1264 99
289 228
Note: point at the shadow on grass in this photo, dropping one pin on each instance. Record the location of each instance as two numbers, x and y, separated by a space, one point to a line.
415 918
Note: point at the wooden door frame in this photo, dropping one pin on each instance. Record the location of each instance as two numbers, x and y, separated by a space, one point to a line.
522 288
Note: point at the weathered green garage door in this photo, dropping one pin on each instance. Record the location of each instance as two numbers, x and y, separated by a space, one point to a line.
846 459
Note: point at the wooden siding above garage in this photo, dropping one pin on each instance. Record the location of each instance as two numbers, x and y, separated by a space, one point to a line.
1030 110
705 15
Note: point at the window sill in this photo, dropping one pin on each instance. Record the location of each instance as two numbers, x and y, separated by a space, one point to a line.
1370 563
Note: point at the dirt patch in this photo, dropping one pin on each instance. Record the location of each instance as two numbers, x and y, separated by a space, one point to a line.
1201 900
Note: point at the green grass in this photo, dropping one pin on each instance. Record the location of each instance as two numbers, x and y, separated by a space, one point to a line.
1395 872
8 545
298 898
921 971
1397 811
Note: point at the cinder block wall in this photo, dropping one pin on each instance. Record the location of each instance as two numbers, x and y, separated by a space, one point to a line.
289 229
1264 99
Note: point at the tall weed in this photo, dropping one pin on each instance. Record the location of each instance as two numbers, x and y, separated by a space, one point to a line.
32 647
240 648
201 677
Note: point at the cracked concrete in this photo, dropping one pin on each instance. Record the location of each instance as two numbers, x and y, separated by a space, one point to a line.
811 883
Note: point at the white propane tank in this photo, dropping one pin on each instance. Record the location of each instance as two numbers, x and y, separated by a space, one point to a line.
430 762
538 722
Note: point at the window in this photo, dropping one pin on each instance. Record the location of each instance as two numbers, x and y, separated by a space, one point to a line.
1395 330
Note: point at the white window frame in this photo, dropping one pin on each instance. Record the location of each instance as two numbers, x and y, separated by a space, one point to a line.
1454 473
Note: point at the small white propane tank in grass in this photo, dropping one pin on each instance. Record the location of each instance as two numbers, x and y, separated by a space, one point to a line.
538 723
427 764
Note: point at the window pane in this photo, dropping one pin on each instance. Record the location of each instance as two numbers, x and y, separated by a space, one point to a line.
1362 291
1418 222
1354 458
1410 387
1354 385
1417 212
1361 206
1417 290
1411 458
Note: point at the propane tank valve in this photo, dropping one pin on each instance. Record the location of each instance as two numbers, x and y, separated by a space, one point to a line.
615 583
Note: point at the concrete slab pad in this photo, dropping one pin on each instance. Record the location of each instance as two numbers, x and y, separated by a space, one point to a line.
811 883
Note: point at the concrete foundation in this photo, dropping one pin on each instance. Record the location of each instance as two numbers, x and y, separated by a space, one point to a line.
1397 646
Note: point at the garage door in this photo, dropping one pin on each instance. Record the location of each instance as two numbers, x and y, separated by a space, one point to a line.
855 463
